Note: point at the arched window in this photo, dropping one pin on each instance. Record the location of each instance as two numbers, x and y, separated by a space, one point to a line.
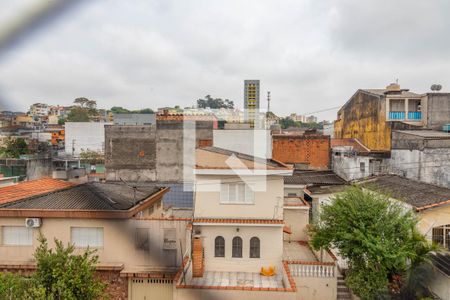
254 247
219 247
237 247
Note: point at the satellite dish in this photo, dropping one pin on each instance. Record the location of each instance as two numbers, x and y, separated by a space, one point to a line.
436 87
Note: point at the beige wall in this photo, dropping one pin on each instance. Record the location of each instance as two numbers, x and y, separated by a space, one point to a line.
293 189
433 218
296 219
118 235
271 253
201 294
267 205
316 288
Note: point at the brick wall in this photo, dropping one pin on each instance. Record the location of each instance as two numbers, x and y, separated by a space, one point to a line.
197 258
313 150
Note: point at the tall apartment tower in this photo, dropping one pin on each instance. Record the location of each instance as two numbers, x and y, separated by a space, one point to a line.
251 101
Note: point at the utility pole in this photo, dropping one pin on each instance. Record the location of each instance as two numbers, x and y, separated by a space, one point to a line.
268 101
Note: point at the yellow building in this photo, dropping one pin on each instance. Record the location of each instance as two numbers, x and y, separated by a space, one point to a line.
370 115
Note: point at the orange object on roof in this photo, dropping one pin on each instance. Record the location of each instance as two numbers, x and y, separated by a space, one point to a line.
268 272
31 188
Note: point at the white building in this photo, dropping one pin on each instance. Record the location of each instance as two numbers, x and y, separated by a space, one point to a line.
83 136
254 142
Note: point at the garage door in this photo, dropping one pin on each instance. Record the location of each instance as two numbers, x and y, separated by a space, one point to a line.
151 289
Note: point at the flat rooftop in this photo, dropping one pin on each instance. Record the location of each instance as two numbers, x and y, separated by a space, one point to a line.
297 251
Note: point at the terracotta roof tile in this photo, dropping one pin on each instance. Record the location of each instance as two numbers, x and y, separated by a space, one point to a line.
31 188
238 221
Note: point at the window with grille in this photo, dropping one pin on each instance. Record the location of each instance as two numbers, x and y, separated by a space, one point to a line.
142 239
254 247
84 237
237 247
219 247
236 193
17 236
441 235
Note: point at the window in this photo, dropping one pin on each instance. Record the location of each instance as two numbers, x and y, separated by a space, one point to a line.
254 247
441 235
87 236
237 247
170 238
236 193
17 236
142 239
219 247
362 167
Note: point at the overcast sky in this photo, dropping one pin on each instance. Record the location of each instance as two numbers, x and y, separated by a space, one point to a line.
311 55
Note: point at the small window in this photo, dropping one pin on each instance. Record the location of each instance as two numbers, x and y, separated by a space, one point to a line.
236 193
292 195
237 247
441 236
17 236
362 167
142 239
219 247
170 238
254 247
84 237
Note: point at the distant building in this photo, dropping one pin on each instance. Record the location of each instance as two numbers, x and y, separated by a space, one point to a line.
255 142
328 129
38 110
251 100
303 119
134 119
84 136
370 115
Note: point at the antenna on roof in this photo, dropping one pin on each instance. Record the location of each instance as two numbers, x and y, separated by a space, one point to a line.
134 187
268 101
436 87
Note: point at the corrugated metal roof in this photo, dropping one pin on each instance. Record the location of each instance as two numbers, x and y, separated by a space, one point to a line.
442 262
180 195
88 196
415 193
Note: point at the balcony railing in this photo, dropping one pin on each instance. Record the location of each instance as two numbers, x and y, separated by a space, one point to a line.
313 270
396 115
400 115
415 115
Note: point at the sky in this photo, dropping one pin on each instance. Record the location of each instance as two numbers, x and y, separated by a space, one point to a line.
311 55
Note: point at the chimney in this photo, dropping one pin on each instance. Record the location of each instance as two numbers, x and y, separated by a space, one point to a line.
197 258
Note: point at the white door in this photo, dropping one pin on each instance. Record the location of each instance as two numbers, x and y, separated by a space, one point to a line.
150 289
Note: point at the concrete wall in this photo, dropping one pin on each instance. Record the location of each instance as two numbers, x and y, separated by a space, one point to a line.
119 240
438 110
313 150
271 253
428 165
252 142
130 153
134 119
440 285
297 219
401 140
316 288
202 294
149 152
268 198
84 135
38 168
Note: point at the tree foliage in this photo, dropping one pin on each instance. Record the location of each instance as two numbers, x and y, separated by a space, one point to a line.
60 274
91 156
214 103
288 122
376 236
14 148
65 275
121 110
78 114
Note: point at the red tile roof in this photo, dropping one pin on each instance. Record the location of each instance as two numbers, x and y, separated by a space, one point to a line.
31 188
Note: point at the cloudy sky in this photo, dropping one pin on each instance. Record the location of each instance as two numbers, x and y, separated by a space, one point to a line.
312 55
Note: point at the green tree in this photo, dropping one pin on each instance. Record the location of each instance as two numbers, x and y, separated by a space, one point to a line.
14 148
119 110
92 156
288 122
82 101
214 103
64 275
61 121
78 114
377 237
15 286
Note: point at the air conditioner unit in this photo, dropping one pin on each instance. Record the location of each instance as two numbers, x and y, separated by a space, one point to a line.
33 222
